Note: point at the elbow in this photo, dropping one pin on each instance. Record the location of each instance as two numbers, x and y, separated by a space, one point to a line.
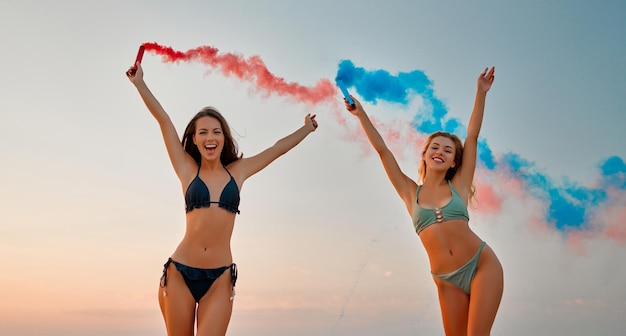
280 147
471 139
472 132
382 150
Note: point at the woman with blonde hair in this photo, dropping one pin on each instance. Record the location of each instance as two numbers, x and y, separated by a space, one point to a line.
466 271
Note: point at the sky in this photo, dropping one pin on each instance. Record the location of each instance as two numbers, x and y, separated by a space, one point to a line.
90 207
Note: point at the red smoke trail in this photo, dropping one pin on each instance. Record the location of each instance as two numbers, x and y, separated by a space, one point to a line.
252 70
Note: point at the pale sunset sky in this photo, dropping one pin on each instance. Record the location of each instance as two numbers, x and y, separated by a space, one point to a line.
90 207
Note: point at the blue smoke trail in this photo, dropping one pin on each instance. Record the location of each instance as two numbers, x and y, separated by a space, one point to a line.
614 172
569 204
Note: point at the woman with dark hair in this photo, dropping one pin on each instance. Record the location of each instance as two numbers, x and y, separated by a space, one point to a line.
467 273
198 282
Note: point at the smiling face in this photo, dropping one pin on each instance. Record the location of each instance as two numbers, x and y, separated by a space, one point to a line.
442 152
202 137
209 137
439 154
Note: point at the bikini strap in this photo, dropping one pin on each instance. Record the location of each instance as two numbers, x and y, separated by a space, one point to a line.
452 188
227 171
233 278
164 276
233 273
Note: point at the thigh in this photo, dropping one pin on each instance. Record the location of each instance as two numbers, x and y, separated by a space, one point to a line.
454 303
215 307
486 293
177 305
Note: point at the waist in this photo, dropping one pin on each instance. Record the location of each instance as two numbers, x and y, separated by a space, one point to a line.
196 254
206 242
449 245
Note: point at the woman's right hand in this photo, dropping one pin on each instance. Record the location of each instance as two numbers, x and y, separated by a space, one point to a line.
486 79
357 109
135 74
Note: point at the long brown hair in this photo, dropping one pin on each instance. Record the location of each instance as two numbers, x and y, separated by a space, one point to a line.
230 152
458 159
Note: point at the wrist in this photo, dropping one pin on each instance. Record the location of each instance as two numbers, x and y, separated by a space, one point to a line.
139 83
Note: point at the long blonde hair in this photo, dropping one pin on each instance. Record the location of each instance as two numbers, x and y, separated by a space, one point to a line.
458 159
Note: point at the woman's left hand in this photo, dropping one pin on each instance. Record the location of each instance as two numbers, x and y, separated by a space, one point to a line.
486 79
135 73
310 121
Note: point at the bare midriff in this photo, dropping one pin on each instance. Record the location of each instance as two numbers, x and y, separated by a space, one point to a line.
206 243
449 245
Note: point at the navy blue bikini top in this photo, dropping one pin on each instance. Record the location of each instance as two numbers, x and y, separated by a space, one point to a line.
198 195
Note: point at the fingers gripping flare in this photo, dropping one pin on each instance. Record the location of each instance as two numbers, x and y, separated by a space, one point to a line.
311 119
133 68
346 94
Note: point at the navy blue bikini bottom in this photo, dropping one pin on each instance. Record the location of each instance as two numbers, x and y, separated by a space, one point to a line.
199 280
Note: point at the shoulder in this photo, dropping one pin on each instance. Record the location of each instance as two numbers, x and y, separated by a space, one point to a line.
235 168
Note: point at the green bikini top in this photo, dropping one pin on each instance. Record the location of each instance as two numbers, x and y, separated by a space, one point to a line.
455 209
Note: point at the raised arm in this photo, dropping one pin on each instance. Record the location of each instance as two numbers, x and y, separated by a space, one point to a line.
183 164
465 175
252 165
405 187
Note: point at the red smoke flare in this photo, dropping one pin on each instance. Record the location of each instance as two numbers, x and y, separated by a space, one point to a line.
252 70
